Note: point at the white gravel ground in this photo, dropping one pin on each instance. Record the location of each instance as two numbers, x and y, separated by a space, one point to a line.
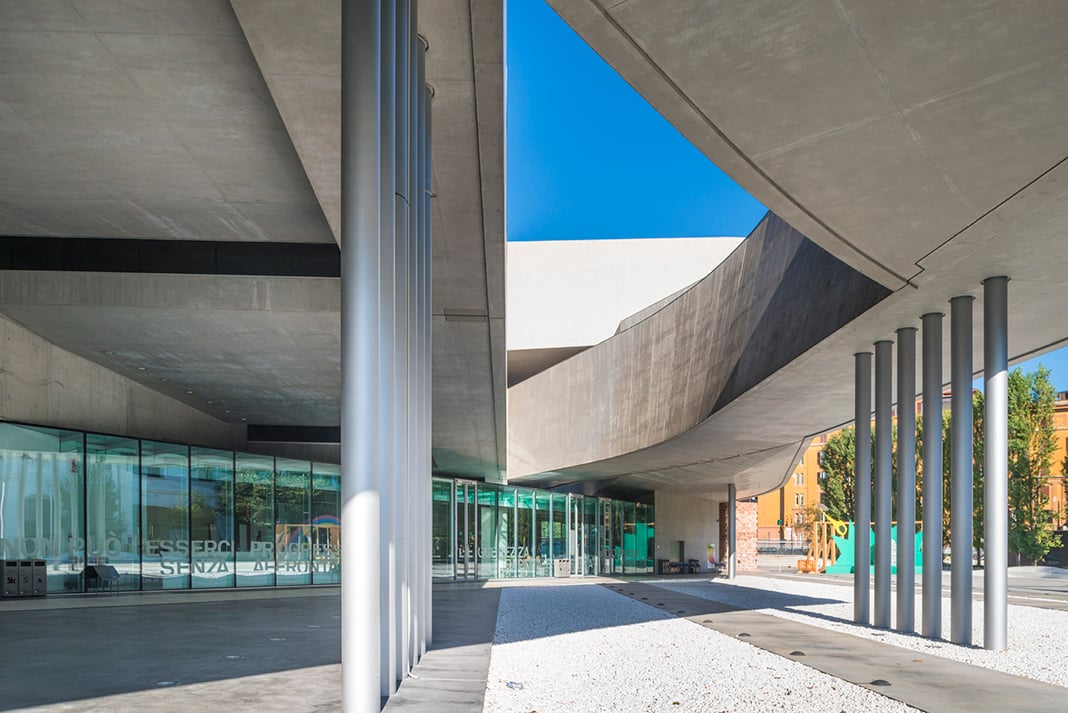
584 648
1038 638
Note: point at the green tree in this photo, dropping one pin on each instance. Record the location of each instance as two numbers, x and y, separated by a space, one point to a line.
836 461
1031 446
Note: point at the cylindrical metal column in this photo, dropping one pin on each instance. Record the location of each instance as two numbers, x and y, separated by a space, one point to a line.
862 490
906 479
932 475
427 281
996 463
415 173
388 432
960 470
732 531
402 204
883 464
361 105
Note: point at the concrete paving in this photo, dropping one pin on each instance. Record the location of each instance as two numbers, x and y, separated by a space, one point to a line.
279 650
929 683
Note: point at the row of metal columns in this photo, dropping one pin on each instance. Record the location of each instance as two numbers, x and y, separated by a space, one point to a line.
995 423
385 350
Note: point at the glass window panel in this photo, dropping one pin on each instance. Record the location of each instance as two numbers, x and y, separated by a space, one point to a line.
630 538
507 563
591 536
113 504
326 524
526 546
292 530
487 530
41 474
211 517
558 529
442 530
165 515
542 525
254 520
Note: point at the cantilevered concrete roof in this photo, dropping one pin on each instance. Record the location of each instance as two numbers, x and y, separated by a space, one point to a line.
206 120
922 144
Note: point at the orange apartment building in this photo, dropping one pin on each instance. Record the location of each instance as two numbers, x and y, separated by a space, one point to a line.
780 512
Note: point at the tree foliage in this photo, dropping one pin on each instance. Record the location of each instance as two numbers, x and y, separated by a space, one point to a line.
1031 446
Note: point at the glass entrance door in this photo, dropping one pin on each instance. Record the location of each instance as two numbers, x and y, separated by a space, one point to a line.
576 536
466 530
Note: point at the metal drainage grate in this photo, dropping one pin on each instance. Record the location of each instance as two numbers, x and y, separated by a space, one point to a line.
743 634
880 682
797 653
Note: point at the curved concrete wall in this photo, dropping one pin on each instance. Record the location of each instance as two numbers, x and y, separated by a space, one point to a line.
776 296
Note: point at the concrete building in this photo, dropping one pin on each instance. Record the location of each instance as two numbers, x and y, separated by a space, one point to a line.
217 221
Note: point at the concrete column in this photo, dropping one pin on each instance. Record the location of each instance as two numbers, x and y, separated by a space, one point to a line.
388 433
862 490
361 106
960 470
932 475
732 531
996 463
883 464
906 479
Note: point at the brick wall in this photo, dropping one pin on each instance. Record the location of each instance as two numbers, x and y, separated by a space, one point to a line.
745 532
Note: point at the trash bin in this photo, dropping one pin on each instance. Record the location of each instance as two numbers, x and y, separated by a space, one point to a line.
25 578
562 568
9 575
39 586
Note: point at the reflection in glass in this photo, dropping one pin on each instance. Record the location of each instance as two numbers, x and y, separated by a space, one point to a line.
292 536
442 545
211 517
507 562
113 501
487 530
325 531
525 547
41 501
165 515
254 520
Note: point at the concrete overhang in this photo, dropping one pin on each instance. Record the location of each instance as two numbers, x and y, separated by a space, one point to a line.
206 120
923 145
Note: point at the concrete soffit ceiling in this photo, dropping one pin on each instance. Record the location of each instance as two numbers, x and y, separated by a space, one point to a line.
297 45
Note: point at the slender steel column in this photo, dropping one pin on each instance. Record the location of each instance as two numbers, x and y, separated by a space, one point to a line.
415 387
906 479
388 353
862 490
960 470
427 282
932 475
402 206
883 464
415 162
732 531
996 463
361 106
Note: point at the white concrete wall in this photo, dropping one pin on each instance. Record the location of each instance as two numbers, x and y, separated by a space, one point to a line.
693 520
564 293
45 385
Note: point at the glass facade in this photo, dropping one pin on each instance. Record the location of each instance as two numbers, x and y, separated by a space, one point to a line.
483 530
172 516
164 515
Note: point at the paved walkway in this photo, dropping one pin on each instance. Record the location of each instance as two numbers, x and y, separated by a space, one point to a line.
929 683
279 650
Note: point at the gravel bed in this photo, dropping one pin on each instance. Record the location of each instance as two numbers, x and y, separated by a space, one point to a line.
585 648
1038 638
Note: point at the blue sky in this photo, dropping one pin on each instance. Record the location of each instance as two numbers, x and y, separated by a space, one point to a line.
589 159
